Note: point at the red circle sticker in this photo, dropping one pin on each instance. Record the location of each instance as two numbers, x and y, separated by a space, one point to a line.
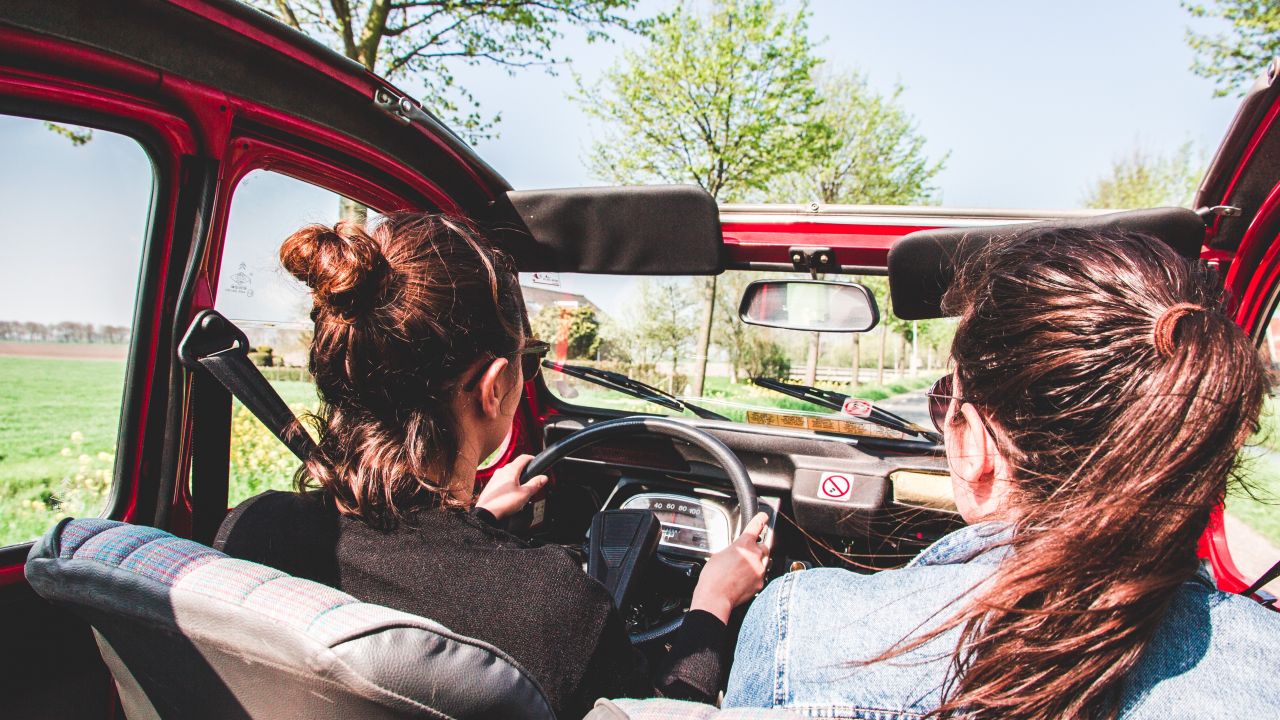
835 486
856 407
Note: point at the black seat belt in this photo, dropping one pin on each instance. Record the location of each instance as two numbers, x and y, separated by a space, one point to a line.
1267 577
219 347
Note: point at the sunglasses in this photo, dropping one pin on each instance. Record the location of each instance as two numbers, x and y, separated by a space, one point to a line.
940 397
530 358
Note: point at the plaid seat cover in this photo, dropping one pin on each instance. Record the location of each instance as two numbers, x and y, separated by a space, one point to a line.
322 612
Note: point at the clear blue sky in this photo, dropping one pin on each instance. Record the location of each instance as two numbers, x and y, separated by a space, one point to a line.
1032 99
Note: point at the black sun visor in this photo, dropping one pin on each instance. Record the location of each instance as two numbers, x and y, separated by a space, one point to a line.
922 264
628 230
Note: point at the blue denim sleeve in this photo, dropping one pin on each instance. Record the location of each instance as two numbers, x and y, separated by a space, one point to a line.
756 671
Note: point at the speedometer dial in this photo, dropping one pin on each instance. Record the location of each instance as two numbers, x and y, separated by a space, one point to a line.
689 525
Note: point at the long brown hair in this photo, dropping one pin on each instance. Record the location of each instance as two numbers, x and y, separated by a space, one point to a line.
401 310
1120 429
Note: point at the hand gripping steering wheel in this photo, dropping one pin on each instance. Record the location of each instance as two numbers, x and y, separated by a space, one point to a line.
720 454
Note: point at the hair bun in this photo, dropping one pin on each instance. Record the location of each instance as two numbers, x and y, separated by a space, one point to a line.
343 266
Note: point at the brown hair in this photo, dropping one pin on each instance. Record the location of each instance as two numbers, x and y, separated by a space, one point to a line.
1120 432
401 311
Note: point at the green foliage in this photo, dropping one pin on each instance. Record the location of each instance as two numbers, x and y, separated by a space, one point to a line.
1141 180
55 414
728 332
1255 497
576 329
76 134
723 99
422 39
1236 58
666 312
288 374
874 156
763 357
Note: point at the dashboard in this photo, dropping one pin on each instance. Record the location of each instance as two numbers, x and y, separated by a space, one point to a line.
837 498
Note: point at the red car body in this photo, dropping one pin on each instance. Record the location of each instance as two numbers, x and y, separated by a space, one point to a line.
76 62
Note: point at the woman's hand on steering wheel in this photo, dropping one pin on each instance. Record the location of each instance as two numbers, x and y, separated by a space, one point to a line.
734 575
504 495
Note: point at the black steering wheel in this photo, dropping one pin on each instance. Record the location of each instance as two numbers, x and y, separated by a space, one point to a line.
720 454
644 425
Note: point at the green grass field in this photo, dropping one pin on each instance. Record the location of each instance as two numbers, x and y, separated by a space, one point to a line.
1255 500
58 421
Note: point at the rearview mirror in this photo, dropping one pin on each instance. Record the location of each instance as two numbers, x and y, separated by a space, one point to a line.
812 305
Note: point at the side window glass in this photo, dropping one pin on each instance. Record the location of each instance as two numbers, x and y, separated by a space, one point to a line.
79 202
1253 505
272 308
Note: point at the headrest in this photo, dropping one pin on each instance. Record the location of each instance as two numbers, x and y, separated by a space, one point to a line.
266 639
922 264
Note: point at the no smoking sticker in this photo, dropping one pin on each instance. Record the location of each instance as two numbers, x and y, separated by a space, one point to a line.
835 486
856 407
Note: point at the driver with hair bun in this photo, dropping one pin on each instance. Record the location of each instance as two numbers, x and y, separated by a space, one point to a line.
420 358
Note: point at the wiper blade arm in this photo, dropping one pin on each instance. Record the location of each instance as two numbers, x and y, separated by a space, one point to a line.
630 386
835 401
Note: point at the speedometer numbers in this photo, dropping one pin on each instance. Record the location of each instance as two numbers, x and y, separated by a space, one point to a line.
692 525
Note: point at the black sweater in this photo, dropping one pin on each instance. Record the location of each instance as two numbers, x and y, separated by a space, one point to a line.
534 603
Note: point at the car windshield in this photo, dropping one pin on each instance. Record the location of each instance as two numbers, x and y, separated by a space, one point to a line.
651 329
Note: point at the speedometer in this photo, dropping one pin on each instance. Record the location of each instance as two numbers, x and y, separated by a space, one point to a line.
690 525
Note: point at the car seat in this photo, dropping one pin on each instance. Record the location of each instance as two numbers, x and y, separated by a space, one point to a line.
188 632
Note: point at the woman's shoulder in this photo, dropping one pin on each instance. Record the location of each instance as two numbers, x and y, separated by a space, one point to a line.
292 532
1214 652
272 513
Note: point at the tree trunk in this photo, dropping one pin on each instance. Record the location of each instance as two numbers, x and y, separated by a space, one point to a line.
349 209
811 364
675 370
857 360
884 340
915 348
704 337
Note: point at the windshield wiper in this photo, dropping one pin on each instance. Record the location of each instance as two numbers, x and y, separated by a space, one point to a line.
835 401
632 387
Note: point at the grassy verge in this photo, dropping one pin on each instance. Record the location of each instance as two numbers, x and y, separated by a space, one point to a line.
1256 499
58 422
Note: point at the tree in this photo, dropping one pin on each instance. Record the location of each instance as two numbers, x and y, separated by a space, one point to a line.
665 311
722 99
577 330
731 333
74 133
875 155
765 358
1234 59
1142 180
423 38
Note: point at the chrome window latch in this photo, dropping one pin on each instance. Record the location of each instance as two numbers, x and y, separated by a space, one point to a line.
400 108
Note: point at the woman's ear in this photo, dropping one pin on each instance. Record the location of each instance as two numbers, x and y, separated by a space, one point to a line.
976 465
493 387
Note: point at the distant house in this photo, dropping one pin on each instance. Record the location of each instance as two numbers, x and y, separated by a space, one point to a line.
536 298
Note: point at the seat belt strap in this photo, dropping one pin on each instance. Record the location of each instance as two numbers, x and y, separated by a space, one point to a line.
1267 577
210 450
213 343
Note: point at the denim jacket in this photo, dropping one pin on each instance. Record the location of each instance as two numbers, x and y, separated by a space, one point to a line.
1215 654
